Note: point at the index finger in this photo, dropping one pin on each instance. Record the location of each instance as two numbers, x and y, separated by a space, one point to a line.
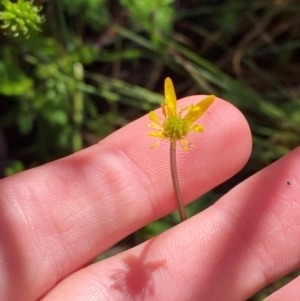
57 217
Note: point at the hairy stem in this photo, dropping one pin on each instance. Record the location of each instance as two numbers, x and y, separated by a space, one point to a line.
175 181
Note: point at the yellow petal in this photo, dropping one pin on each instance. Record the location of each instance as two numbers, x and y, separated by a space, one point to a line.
157 135
153 117
163 108
198 128
170 97
154 126
196 111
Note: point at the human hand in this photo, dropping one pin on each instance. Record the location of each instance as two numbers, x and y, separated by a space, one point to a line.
55 218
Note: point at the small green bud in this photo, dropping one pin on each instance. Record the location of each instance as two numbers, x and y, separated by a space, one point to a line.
20 17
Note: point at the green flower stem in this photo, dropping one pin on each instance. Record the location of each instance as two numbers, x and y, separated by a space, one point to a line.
175 180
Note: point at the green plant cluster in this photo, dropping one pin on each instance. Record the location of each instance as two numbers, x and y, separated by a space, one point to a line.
98 64
20 17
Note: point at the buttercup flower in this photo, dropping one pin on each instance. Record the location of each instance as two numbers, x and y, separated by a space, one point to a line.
175 127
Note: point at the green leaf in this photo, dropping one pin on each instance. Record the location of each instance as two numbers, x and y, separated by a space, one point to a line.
13 81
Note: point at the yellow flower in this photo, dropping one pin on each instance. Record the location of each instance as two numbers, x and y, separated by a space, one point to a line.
175 127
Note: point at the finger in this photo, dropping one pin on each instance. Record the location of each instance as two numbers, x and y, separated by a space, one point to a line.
290 292
228 252
59 216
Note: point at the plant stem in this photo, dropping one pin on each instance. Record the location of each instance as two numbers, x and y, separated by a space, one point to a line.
175 181
78 72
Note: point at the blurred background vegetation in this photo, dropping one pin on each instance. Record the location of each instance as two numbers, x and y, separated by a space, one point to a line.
73 71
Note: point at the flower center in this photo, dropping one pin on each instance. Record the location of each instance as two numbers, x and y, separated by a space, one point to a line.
175 127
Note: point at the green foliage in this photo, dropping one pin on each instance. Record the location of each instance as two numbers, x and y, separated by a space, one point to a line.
94 12
156 16
15 167
14 81
20 18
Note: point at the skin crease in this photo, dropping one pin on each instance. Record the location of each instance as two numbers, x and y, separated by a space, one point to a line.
57 217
